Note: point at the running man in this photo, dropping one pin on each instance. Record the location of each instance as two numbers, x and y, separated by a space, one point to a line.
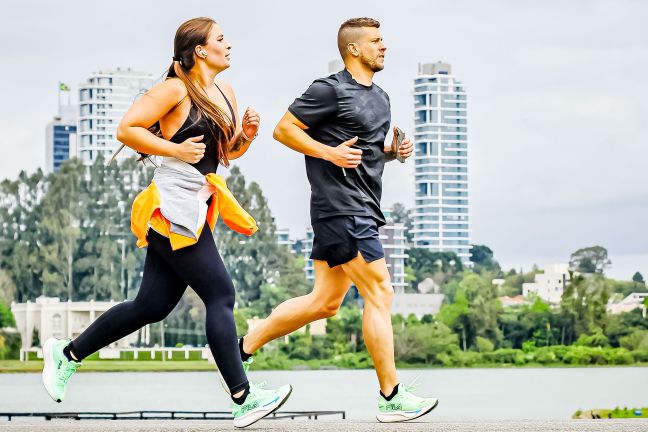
340 124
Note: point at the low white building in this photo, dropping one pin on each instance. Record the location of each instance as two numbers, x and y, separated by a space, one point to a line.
630 303
550 285
50 317
417 304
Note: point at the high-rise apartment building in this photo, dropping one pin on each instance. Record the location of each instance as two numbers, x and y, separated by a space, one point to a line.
103 100
441 217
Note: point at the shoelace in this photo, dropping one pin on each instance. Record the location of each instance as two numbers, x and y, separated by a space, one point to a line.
65 372
413 385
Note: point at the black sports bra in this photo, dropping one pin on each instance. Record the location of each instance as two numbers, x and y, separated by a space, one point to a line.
196 125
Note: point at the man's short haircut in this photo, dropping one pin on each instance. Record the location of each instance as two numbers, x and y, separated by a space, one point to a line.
348 32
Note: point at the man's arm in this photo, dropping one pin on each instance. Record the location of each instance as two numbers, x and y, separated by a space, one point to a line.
290 131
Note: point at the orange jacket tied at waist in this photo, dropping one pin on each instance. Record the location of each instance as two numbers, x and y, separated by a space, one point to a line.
174 205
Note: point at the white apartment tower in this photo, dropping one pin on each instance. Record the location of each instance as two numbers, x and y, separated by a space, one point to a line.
441 216
103 100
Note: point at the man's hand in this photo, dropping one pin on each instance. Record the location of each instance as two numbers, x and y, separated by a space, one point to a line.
344 156
406 148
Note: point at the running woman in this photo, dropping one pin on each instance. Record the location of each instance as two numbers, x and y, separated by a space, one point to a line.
340 124
190 120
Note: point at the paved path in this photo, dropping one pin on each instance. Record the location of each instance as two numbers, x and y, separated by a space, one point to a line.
324 426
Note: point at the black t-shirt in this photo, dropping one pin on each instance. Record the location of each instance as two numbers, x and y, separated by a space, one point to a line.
336 109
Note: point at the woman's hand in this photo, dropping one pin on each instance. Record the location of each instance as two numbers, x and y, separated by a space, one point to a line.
190 150
250 123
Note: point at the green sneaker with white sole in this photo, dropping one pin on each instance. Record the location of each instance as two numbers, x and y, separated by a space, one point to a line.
259 403
57 369
404 406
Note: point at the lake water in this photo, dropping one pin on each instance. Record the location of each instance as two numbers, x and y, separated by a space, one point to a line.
464 394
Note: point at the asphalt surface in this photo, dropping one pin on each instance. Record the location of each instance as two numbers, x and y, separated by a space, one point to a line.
21 425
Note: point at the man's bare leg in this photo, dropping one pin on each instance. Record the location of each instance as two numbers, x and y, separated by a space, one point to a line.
373 282
331 284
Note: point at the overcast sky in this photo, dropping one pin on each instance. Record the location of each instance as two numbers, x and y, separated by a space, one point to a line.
556 101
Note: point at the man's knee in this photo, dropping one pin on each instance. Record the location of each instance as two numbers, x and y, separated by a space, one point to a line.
325 308
380 293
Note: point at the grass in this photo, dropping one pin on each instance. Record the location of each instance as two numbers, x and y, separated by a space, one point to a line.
9 366
613 413
15 366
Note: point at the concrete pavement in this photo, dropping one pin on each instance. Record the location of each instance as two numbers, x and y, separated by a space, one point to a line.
20 425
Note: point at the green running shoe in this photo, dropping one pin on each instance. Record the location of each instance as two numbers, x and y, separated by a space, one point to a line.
404 406
259 403
57 369
246 367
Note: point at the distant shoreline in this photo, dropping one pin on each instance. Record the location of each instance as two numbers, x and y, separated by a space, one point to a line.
16 366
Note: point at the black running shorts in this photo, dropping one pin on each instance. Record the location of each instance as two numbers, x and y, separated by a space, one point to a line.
338 239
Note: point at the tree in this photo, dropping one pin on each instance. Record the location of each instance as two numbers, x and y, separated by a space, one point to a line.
400 214
19 233
440 266
593 259
6 317
638 278
60 225
482 257
583 306
257 260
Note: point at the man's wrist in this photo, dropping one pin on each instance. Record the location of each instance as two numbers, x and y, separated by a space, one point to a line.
389 154
325 152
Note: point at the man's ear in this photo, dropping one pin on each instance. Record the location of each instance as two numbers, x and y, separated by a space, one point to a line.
353 49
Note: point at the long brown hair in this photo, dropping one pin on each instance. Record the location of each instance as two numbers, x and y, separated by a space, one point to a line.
189 35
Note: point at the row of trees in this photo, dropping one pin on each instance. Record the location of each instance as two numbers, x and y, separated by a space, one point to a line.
68 235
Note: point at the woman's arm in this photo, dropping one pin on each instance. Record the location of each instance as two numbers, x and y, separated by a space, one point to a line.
250 121
149 109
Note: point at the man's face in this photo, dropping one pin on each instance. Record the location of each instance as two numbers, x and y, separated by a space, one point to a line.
372 49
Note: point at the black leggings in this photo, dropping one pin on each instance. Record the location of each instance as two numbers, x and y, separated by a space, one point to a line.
166 276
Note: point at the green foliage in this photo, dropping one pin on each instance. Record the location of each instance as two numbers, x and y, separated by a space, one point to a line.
257 264
484 345
59 233
423 343
637 340
6 317
583 306
483 260
9 344
593 259
638 277
597 339
440 266
400 214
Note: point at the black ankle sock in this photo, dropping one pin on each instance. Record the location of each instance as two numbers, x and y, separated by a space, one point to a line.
244 356
239 400
67 354
391 396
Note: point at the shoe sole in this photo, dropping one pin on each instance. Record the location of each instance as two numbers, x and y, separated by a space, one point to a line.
401 416
254 416
48 367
